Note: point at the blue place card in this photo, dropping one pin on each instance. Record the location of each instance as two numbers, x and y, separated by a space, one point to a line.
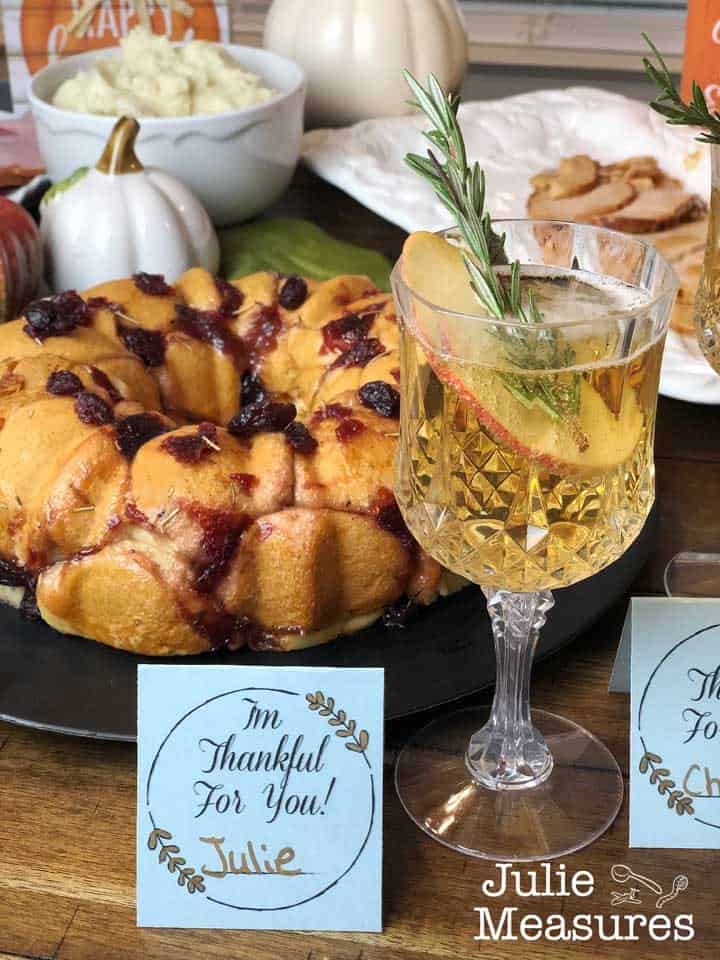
260 797
674 665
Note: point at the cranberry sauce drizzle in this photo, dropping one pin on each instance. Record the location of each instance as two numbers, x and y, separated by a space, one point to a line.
348 429
389 518
102 380
293 293
192 447
342 333
380 397
64 383
136 430
209 326
227 632
231 298
221 534
147 345
55 316
152 284
245 482
336 411
12 574
359 354
263 332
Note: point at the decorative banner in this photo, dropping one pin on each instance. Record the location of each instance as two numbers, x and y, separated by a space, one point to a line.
701 62
259 797
674 659
36 32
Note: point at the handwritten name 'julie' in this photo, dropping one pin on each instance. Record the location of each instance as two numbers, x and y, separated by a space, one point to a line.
287 758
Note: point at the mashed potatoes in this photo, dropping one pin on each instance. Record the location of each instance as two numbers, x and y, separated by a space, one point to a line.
151 78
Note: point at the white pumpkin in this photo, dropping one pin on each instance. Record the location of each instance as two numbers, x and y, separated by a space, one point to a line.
354 51
120 218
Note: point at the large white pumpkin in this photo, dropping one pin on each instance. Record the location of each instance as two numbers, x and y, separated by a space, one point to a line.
120 218
354 51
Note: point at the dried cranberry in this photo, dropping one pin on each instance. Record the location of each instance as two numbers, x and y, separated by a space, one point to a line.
245 482
63 383
342 333
12 574
209 326
359 354
252 389
221 535
55 316
104 381
262 418
293 294
232 298
263 332
93 410
399 614
147 345
336 411
300 438
193 447
153 284
137 429
380 397
389 518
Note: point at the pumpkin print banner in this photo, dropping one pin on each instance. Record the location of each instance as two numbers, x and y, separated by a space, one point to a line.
36 33
672 649
259 797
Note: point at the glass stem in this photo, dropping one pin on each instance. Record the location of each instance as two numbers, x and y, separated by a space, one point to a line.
509 753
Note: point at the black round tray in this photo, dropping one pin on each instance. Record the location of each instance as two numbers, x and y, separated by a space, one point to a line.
69 685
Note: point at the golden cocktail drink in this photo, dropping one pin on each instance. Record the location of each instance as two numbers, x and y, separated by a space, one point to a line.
525 465
506 494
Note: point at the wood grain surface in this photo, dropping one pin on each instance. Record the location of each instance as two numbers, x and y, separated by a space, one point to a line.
67 806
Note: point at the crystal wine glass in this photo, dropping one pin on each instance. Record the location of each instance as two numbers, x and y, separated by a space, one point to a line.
697 573
525 465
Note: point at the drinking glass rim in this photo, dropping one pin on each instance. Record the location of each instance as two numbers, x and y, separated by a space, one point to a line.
670 287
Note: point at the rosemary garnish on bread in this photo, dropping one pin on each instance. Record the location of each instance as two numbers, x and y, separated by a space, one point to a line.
460 186
670 104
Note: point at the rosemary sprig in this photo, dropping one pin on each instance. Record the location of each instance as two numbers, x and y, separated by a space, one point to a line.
460 186
670 104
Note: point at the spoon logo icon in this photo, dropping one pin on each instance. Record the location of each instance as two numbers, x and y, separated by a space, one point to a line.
622 874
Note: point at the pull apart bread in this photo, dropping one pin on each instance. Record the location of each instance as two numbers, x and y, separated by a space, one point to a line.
633 196
205 466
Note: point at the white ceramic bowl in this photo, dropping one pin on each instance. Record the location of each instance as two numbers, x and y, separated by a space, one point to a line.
237 163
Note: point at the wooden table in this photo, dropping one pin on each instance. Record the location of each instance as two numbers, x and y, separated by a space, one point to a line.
67 806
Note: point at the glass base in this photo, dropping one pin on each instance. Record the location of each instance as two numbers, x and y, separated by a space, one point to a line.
553 817
693 575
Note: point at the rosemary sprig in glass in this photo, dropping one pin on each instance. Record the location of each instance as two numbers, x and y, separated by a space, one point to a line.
670 104
460 187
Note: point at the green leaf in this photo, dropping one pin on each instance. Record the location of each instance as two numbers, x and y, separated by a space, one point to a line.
297 247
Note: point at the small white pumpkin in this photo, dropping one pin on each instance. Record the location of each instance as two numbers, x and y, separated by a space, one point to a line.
120 218
354 52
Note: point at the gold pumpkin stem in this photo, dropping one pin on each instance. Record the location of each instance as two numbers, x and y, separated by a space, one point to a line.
119 153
